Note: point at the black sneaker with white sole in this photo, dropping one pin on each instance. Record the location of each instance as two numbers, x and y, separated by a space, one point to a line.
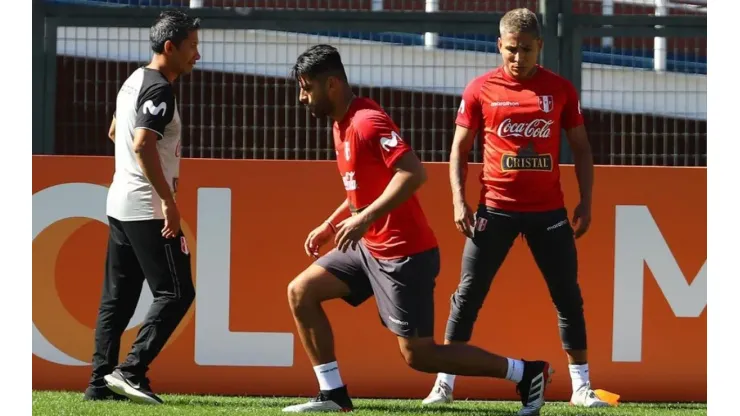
95 393
336 400
135 388
532 388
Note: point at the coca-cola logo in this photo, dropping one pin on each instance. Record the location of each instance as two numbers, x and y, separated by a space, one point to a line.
535 129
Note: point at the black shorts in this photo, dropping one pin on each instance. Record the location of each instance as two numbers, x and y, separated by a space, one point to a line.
403 287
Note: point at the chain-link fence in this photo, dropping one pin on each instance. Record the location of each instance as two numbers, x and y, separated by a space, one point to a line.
637 115
240 103
393 5
646 97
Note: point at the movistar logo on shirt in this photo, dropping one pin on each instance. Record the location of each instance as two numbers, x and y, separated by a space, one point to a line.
150 108
504 104
386 143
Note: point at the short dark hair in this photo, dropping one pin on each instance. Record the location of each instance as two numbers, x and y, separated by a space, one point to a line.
319 61
172 25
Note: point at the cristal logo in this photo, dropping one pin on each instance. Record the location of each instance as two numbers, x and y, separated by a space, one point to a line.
535 129
59 337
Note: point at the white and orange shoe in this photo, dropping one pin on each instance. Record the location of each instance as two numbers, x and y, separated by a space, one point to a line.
584 396
441 394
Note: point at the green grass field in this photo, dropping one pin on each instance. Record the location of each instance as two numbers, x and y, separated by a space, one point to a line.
71 403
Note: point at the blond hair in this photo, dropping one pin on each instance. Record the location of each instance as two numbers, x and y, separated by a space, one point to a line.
520 21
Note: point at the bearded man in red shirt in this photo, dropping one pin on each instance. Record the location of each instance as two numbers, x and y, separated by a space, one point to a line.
384 247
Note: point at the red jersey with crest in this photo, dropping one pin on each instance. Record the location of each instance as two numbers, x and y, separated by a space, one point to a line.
368 144
521 122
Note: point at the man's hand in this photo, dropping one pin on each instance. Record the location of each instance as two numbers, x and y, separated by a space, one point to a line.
583 160
462 143
317 238
582 218
112 130
350 231
171 219
464 219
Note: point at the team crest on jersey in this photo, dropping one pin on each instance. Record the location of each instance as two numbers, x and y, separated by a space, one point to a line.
480 224
546 102
184 246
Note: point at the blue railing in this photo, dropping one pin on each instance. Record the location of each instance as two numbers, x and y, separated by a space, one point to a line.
631 58
624 57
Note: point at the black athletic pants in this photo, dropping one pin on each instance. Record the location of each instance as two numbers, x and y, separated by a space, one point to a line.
137 252
551 241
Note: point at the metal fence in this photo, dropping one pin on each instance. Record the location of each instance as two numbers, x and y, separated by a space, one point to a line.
346 5
240 103
639 116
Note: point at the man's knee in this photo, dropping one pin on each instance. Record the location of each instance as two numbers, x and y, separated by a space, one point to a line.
464 309
418 353
187 297
178 301
465 305
313 286
470 294
298 293
110 307
569 302
572 322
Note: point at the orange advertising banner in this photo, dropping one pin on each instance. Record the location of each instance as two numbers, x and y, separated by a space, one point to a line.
642 272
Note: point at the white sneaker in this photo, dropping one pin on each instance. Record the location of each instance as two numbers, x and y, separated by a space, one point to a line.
441 394
336 400
585 397
314 406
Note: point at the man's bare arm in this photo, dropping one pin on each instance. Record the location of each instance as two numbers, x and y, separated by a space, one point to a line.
339 215
462 143
583 160
408 177
112 130
145 147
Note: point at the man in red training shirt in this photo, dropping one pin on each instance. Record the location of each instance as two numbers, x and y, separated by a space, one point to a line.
384 246
520 108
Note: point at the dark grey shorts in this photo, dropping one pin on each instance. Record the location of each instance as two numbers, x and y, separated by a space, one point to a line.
403 288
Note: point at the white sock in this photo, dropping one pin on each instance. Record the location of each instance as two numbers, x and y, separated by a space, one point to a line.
448 379
516 370
578 375
328 376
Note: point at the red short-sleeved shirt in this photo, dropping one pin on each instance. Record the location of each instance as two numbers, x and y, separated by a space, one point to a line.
367 143
521 122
